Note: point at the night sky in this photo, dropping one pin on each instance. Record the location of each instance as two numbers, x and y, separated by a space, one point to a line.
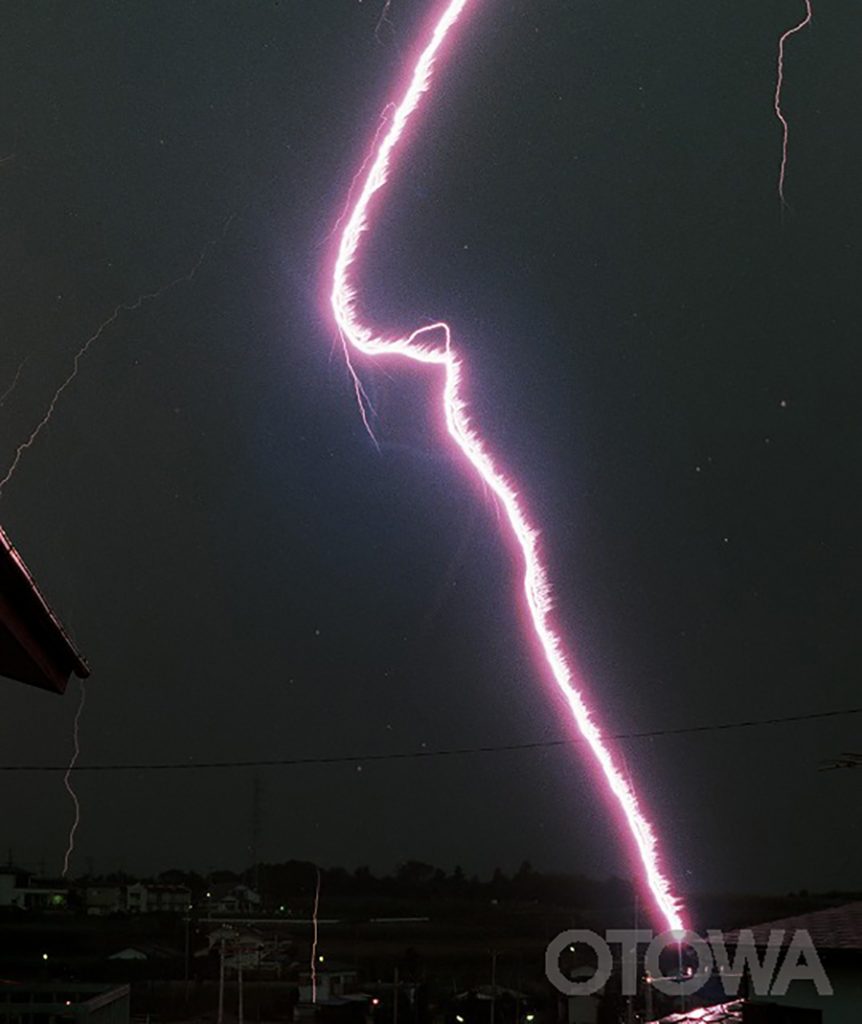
667 364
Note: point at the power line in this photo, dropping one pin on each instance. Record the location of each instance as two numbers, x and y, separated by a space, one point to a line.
415 755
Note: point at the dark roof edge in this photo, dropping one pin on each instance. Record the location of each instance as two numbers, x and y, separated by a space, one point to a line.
79 665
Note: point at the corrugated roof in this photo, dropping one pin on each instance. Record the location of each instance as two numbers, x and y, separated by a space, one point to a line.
721 1013
34 647
834 928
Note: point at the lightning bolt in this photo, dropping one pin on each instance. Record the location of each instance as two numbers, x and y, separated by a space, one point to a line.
314 924
67 780
104 326
779 82
432 345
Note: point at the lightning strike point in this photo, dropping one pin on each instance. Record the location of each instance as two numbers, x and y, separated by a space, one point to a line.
314 924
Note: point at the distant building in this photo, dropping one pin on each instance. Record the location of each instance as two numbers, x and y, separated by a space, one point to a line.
146 898
102 900
147 951
232 899
20 889
34 647
9 881
334 982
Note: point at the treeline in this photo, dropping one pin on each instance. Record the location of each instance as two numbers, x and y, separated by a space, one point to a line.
293 882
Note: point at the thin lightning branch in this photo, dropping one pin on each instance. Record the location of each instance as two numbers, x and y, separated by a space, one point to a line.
779 81
130 307
15 380
67 782
359 391
372 149
362 400
432 345
383 20
315 926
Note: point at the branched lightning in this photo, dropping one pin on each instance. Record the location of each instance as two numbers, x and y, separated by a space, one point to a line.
67 780
432 345
779 82
383 20
125 307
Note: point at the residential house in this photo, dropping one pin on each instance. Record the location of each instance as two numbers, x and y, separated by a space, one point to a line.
837 937
333 982
20 889
232 899
102 900
148 898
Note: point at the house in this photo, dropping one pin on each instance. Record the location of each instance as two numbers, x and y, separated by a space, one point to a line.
34 647
232 899
836 934
10 880
334 982
19 889
242 947
146 951
147 898
102 900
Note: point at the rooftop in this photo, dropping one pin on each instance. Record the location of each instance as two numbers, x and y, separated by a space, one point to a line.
832 929
34 647
721 1013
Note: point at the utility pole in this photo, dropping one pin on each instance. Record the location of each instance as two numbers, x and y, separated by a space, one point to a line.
220 1018
255 832
395 997
239 986
187 952
493 984
631 954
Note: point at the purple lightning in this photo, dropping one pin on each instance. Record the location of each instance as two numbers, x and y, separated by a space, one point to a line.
67 781
315 929
432 345
779 81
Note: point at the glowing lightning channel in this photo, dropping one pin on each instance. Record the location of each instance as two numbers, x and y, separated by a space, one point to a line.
67 781
432 345
779 82
314 922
